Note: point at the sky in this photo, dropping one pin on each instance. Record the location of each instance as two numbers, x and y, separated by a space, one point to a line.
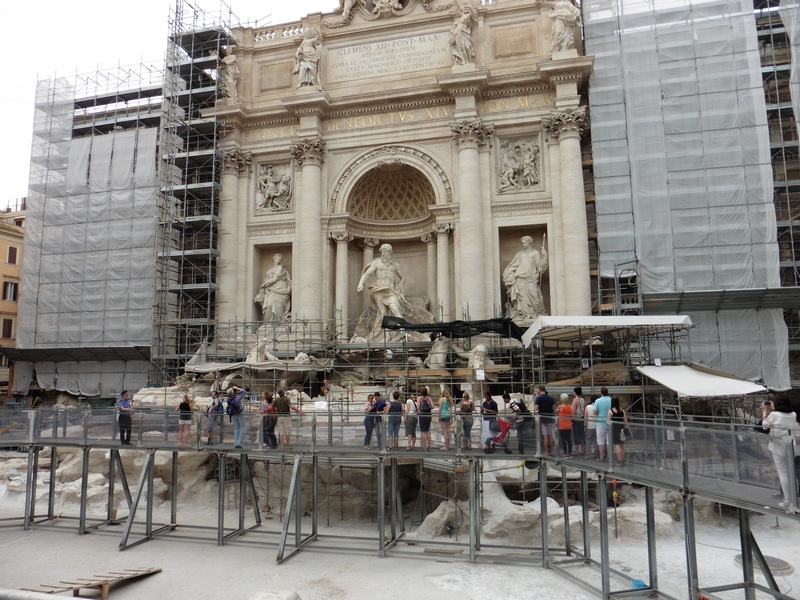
45 38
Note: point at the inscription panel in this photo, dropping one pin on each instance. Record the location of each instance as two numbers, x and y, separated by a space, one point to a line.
388 57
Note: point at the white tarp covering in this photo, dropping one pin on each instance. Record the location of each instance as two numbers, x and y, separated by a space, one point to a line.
688 382
573 327
682 165
89 246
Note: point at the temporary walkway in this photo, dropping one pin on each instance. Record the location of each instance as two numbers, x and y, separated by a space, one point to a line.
727 464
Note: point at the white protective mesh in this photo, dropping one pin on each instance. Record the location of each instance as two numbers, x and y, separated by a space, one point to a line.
89 247
682 168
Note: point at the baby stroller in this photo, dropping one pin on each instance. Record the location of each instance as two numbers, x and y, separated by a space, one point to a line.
499 437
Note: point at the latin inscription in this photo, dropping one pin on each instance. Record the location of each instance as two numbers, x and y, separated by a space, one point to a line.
389 57
401 117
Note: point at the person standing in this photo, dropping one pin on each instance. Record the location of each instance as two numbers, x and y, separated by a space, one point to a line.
379 406
465 409
369 420
270 416
283 409
565 426
618 421
185 410
578 408
424 407
590 430
445 417
215 409
603 406
394 411
543 405
125 409
781 422
489 425
411 423
235 410
523 422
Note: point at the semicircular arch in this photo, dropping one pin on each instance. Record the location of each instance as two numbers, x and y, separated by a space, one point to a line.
387 155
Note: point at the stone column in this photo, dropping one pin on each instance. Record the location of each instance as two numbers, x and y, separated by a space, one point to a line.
342 238
567 125
307 303
368 246
430 244
233 215
558 268
469 136
442 231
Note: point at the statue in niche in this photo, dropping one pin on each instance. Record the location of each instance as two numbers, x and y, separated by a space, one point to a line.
519 166
522 279
460 39
566 19
274 189
386 292
275 293
307 60
229 75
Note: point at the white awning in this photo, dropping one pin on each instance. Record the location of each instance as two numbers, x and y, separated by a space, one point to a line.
581 328
699 381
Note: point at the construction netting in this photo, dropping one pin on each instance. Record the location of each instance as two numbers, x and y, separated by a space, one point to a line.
682 166
89 247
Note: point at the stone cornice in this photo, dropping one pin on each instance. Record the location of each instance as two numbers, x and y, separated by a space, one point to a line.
270 228
316 104
522 208
571 68
463 84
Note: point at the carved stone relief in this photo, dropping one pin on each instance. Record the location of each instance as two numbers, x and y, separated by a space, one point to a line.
519 165
274 188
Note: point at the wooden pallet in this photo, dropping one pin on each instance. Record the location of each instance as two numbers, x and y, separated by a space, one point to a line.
103 582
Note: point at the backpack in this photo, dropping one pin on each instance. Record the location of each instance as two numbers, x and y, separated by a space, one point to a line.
234 407
425 405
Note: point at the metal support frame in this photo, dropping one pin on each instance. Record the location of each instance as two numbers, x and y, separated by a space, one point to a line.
691 547
602 507
84 490
543 507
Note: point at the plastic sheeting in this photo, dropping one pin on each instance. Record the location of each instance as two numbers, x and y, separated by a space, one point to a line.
683 177
89 248
691 383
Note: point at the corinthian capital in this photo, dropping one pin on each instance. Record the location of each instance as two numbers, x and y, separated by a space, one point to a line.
341 237
308 151
368 242
568 123
471 133
442 228
234 160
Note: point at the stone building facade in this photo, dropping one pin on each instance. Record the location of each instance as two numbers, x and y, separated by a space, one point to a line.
447 131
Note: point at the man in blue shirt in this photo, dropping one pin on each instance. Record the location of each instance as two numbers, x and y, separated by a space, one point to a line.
125 418
602 405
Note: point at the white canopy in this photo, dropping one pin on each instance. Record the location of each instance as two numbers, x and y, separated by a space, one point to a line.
699 381
577 328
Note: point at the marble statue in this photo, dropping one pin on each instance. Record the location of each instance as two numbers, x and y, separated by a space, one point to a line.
566 19
275 191
347 7
229 75
519 165
437 356
307 60
385 6
386 291
461 36
521 278
275 293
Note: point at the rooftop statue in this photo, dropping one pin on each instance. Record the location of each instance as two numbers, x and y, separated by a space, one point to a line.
566 18
229 75
307 60
461 36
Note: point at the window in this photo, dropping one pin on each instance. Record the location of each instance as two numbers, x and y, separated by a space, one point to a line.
12 255
8 325
4 362
10 290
